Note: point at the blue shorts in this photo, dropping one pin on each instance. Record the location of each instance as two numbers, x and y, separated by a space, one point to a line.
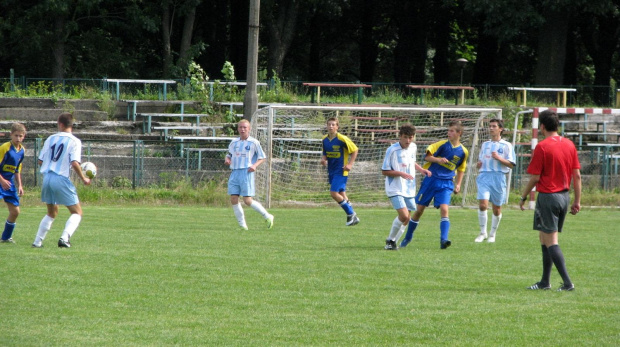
10 196
492 187
399 201
338 183
439 190
241 182
58 190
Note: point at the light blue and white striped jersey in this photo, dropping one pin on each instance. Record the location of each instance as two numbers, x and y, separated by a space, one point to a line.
244 153
503 148
403 160
58 152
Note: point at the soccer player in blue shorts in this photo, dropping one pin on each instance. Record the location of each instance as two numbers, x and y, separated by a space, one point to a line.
245 154
496 158
398 168
443 159
61 153
339 154
12 154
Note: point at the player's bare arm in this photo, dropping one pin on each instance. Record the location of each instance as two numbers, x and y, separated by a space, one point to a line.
349 165
394 173
499 158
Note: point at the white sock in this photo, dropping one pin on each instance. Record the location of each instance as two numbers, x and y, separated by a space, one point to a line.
483 219
72 224
495 223
44 227
401 231
238 209
396 225
260 209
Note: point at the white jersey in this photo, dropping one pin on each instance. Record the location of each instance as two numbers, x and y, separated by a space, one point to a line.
58 152
503 148
403 160
244 153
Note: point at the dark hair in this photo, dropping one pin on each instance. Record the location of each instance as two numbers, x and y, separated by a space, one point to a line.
500 123
66 119
458 125
549 119
407 129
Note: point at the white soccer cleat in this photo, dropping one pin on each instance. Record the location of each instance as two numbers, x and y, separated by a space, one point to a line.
491 239
480 238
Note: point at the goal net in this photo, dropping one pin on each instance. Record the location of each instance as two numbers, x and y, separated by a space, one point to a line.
291 138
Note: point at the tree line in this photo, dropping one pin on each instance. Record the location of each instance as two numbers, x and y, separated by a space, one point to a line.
538 42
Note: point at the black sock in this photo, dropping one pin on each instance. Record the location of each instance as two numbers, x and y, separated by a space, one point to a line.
558 259
547 265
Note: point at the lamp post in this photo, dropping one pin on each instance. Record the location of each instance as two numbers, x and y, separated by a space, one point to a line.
461 62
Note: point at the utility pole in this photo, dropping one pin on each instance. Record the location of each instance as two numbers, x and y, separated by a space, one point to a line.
250 101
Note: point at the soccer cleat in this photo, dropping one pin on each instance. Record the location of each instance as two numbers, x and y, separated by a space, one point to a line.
243 228
539 286
480 238
445 244
491 239
566 287
354 220
10 240
63 244
406 240
270 222
390 245
34 245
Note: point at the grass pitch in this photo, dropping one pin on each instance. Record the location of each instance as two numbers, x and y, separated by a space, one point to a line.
151 276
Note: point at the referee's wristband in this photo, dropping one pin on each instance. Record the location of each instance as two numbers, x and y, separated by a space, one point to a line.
523 198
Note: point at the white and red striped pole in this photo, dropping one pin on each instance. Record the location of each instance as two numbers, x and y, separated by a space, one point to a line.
532 202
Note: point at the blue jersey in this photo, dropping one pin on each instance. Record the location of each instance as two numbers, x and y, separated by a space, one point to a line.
12 158
338 151
503 148
457 157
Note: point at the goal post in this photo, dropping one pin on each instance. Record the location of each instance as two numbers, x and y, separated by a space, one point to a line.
291 138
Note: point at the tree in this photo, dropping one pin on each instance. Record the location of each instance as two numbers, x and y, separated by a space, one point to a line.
280 31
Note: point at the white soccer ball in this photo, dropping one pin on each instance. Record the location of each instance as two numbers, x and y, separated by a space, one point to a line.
89 169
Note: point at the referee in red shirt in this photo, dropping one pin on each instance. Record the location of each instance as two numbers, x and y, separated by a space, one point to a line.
554 165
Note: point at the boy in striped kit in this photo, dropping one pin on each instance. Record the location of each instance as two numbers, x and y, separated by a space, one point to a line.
495 160
245 154
398 168
61 153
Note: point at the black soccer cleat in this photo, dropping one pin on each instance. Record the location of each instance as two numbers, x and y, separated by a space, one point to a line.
390 245
445 244
63 244
566 288
539 286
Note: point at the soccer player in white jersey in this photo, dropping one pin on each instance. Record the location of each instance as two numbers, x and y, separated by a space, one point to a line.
61 153
245 154
495 160
398 168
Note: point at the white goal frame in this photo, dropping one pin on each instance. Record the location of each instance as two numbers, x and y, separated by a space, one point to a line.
264 125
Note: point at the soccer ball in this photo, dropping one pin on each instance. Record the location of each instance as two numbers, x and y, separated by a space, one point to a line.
89 169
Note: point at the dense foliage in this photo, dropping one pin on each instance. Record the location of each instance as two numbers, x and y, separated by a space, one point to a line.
538 42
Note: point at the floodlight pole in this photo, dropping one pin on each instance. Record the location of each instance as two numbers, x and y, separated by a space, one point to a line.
250 101
461 62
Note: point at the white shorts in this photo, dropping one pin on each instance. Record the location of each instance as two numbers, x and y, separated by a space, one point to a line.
399 201
241 182
58 190
492 187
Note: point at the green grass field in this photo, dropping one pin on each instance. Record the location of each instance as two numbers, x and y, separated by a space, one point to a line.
160 276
